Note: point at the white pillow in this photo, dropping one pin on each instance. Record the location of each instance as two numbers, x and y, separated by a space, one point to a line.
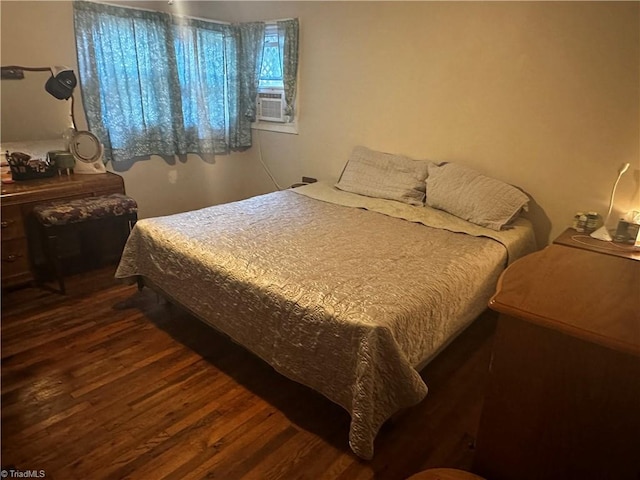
383 175
468 194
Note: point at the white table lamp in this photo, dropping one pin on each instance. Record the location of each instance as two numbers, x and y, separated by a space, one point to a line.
602 233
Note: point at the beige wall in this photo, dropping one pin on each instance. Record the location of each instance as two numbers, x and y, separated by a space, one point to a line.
543 95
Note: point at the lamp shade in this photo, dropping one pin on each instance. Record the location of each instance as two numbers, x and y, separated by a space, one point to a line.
61 83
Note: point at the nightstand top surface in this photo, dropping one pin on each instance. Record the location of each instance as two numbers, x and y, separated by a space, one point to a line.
571 238
581 293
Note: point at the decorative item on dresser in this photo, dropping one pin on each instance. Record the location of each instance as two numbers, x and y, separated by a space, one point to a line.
21 246
564 391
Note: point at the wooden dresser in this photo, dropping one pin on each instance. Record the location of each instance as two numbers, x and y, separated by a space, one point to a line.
563 400
19 242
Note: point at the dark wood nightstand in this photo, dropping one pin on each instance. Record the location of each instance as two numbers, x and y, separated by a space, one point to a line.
571 238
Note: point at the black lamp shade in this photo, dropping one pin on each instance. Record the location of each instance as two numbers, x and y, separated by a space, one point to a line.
62 84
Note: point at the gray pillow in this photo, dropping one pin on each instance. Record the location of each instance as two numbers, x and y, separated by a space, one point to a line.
468 194
383 175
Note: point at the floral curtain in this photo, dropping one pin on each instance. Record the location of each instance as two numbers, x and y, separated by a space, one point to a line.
207 70
251 41
128 80
288 42
156 84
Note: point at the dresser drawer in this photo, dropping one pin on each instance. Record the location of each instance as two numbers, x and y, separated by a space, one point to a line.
15 258
11 222
22 251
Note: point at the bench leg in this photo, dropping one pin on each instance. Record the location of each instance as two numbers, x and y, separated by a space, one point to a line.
51 245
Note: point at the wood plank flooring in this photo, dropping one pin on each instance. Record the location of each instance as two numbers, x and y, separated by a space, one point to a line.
111 383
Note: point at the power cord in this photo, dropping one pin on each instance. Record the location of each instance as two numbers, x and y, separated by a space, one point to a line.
603 244
264 165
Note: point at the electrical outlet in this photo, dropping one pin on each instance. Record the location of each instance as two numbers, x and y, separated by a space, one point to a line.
309 180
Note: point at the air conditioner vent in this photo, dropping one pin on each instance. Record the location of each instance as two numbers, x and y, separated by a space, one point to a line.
270 106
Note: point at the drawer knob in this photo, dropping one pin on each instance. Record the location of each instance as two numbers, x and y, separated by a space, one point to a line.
6 223
12 257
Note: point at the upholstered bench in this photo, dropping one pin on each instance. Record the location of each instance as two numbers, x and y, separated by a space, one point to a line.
56 217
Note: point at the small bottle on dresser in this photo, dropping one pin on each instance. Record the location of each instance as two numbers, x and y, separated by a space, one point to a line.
579 222
592 222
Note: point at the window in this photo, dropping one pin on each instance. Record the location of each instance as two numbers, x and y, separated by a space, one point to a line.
271 69
156 84
275 103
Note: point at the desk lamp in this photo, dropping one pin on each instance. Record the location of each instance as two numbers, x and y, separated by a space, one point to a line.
60 84
602 233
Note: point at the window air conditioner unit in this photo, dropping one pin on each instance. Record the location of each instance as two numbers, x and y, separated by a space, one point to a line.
271 106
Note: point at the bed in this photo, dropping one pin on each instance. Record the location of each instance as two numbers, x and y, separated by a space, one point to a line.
347 293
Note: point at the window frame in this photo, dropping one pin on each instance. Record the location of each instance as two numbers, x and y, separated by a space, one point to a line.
271 30
290 127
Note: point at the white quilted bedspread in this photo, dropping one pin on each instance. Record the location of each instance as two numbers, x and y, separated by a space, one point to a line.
344 300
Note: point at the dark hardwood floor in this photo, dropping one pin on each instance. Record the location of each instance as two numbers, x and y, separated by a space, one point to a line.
109 382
